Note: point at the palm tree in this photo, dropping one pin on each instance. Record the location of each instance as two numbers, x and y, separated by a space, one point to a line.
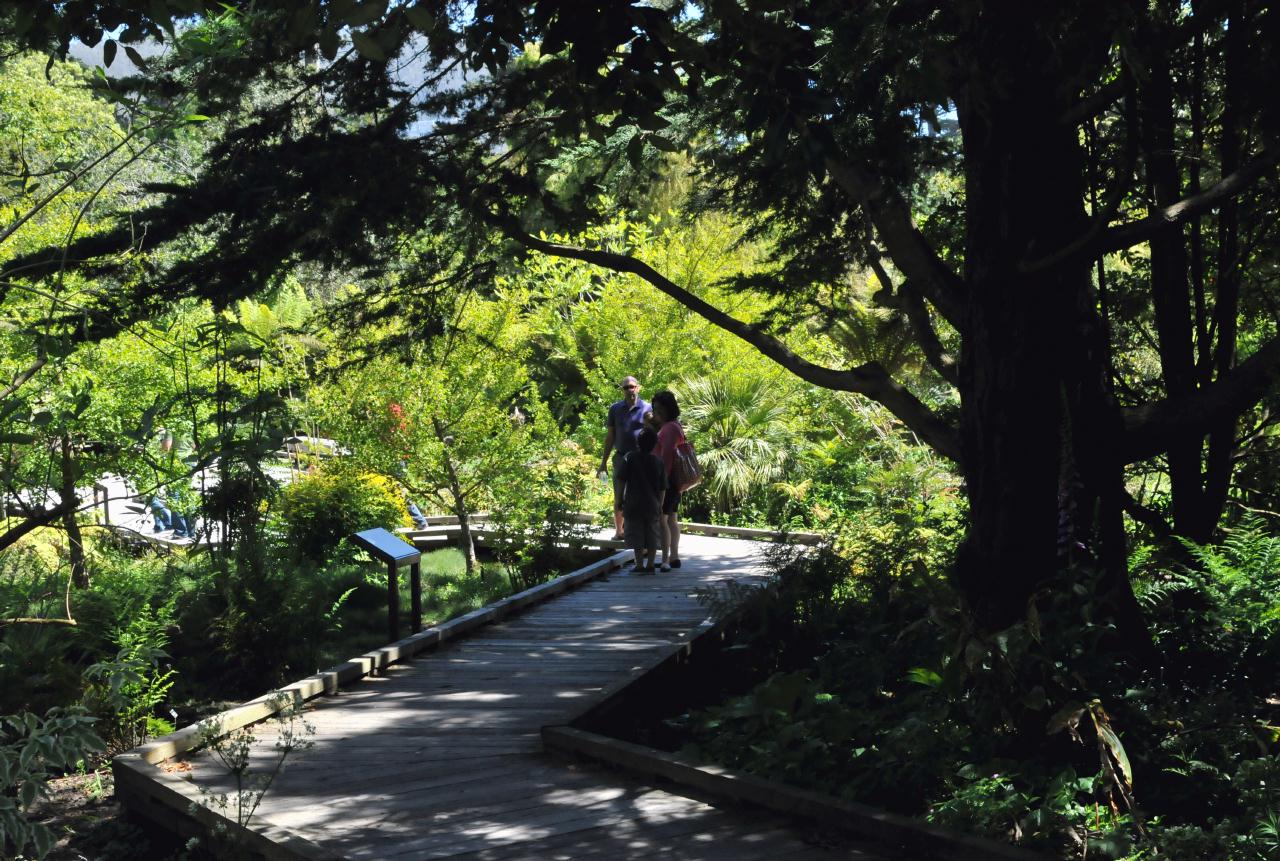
739 429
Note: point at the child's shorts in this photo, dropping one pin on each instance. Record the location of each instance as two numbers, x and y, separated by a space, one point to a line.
643 533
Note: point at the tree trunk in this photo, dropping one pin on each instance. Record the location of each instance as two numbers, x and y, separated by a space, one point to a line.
1034 362
459 498
75 541
1219 461
1170 293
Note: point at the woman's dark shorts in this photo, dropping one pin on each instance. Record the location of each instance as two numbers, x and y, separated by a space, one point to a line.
672 499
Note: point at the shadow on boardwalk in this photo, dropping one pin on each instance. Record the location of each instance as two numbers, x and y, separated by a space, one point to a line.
441 756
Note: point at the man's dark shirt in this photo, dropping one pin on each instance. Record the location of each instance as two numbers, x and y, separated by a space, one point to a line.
627 423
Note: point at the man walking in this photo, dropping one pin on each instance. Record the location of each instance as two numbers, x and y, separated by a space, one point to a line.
623 424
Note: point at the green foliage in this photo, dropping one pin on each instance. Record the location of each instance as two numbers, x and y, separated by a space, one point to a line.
1240 580
877 689
36 672
319 512
32 750
125 692
742 433
1217 617
247 624
535 521
448 590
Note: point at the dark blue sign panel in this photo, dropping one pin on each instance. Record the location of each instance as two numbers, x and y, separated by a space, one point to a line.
387 547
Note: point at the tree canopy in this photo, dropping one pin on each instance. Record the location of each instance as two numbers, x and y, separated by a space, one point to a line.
1115 200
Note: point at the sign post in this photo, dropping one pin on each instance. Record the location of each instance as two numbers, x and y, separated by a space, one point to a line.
391 550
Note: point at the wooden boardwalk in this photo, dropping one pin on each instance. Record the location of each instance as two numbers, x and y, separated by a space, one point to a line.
441 758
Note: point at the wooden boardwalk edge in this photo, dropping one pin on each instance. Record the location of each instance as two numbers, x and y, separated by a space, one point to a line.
881 826
884 828
175 804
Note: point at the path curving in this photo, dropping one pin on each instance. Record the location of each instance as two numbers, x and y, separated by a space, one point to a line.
441 757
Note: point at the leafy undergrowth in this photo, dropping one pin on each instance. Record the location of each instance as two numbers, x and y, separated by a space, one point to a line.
1043 734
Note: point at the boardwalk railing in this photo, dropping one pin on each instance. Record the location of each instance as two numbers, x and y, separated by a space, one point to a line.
444 527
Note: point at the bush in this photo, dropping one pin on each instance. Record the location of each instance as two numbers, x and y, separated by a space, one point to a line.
317 513
250 624
37 670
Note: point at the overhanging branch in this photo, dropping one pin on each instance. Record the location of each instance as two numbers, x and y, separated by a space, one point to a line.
22 377
1176 214
35 521
910 251
1098 242
869 379
918 315
1149 429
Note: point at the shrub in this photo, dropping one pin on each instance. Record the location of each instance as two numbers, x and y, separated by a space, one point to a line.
320 511
36 671
125 691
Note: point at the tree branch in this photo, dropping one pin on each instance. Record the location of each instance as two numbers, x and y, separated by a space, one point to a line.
21 378
1188 208
1098 241
1152 520
1090 106
1149 429
918 315
907 247
869 379
35 521
32 620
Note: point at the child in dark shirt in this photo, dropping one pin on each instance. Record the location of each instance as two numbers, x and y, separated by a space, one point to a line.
644 482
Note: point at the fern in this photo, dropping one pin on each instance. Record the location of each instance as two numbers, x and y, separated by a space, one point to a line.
1241 577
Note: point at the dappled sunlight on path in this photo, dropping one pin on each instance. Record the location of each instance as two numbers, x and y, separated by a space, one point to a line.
441 757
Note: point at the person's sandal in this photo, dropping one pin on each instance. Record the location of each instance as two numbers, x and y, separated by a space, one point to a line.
674 563
664 567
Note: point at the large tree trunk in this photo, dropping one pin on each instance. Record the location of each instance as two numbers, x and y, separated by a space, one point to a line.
1035 405
1219 461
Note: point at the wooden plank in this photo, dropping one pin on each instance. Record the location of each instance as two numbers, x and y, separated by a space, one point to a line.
748 532
154 793
444 792
525 823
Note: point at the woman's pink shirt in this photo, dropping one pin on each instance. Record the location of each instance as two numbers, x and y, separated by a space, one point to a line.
669 436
